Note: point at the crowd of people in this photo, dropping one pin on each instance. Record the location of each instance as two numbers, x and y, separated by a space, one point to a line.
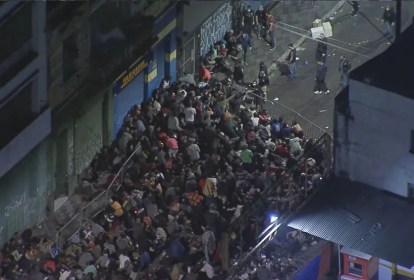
198 162
200 157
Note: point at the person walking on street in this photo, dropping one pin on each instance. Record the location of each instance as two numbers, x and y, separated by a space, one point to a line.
320 84
291 61
260 22
271 27
344 67
248 20
321 49
244 41
388 18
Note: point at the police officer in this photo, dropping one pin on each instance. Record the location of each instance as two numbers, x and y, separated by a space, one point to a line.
344 67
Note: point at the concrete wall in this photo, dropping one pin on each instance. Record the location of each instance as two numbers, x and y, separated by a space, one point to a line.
373 145
24 193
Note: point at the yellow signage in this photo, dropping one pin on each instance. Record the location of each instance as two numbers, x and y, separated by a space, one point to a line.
133 73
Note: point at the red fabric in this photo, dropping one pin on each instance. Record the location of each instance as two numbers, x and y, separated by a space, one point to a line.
162 135
171 143
49 265
202 183
205 74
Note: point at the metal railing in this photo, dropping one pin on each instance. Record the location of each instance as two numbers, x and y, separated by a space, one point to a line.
260 205
311 129
92 208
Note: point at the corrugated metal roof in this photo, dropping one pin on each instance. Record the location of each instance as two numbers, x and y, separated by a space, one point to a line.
362 218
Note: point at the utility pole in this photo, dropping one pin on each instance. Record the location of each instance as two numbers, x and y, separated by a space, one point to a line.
398 19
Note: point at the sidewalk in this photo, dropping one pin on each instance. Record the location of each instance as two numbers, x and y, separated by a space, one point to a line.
294 13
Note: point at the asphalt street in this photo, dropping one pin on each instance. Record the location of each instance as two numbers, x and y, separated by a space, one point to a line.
358 37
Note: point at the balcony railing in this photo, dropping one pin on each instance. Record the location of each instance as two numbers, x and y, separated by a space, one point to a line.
19 59
25 141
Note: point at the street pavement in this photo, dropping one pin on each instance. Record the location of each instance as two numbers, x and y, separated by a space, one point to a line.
358 37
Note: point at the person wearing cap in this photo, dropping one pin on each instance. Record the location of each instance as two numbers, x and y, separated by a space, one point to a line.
321 49
248 20
260 21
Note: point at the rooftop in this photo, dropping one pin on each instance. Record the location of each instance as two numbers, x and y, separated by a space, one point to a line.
360 217
393 69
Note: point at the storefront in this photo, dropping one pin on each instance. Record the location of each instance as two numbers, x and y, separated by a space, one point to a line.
128 90
138 83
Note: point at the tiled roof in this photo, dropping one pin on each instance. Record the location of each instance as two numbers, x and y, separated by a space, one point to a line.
393 70
362 218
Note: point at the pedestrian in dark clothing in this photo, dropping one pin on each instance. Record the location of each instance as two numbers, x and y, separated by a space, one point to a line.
291 60
388 18
355 8
263 67
248 21
344 67
260 22
238 73
321 49
320 84
264 83
244 41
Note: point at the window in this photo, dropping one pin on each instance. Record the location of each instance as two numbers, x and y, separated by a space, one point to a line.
15 113
16 31
355 268
412 142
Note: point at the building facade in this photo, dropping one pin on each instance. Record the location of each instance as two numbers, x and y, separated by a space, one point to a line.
25 115
57 98
374 131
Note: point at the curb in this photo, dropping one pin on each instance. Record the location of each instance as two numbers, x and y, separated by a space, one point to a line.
303 38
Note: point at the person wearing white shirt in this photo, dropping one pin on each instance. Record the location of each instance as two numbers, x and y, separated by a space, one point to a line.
189 113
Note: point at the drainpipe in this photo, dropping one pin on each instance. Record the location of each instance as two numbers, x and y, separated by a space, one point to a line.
339 262
398 19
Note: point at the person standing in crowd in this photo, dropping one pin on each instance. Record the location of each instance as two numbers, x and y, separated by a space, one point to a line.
263 82
238 72
260 22
291 60
271 27
321 49
320 84
248 21
388 18
344 67
263 67
244 41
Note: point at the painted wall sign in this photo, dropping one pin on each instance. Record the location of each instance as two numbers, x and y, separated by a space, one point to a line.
129 76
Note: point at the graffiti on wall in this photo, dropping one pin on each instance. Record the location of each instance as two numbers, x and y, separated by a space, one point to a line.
215 27
15 203
87 149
